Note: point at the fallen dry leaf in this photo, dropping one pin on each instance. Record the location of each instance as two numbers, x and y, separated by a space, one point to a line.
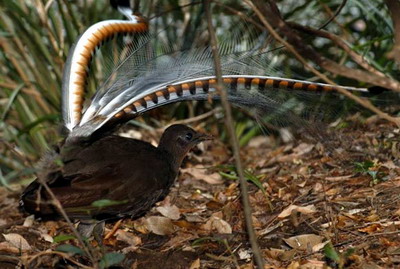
280 254
28 222
258 141
199 172
188 225
218 224
171 212
195 264
319 246
397 213
370 265
159 225
7 247
371 229
128 238
304 241
17 241
313 264
46 237
179 239
310 209
294 265
244 254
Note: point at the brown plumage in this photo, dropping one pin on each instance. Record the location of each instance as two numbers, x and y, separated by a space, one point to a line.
132 173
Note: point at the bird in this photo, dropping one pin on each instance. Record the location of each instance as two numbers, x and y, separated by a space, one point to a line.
131 174
92 165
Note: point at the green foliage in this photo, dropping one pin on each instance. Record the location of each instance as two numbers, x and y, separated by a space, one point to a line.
339 258
372 169
70 249
249 176
35 37
364 167
63 237
110 259
231 174
107 260
331 253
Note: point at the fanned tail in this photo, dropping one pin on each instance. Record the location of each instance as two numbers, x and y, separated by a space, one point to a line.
145 79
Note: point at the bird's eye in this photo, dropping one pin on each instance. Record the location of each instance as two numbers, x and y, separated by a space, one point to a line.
189 136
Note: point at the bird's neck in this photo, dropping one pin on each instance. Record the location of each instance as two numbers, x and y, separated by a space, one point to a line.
175 155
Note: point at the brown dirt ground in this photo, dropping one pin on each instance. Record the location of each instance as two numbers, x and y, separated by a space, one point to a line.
314 195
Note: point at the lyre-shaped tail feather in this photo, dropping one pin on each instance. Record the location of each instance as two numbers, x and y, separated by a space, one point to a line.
77 65
146 79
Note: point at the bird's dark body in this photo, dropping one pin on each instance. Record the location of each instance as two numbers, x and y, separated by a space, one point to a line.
132 174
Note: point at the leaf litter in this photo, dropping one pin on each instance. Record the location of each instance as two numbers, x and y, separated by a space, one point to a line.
316 209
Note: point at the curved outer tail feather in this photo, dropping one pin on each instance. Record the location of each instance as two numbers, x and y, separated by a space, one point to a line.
76 68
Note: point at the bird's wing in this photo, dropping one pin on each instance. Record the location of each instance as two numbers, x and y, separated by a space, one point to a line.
97 180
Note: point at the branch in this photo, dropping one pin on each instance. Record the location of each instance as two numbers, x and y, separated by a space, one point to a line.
234 142
394 8
275 21
360 60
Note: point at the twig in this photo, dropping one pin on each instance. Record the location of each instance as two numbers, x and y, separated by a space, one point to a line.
62 254
199 117
179 7
341 43
9 259
114 229
61 210
234 141
334 15
363 238
135 4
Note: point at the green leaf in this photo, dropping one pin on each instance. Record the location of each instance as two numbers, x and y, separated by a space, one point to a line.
63 237
106 202
111 259
69 249
228 176
3 181
245 138
363 167
255 180
11 101
331 253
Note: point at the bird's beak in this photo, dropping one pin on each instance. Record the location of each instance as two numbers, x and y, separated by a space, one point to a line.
200 137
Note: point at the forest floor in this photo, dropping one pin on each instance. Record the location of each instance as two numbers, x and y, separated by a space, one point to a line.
332 204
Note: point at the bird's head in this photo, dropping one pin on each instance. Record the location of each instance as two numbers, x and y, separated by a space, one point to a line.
179 139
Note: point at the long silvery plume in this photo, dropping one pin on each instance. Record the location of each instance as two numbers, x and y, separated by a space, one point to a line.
144 79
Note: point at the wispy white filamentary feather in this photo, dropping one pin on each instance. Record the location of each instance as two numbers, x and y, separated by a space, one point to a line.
145 77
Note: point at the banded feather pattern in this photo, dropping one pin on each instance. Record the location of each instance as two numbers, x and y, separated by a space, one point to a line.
77 66
145 78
